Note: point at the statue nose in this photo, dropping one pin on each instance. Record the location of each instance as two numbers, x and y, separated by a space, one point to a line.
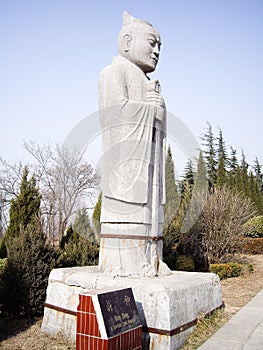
156 50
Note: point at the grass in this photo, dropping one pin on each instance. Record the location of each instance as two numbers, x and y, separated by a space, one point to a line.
205 327
21 334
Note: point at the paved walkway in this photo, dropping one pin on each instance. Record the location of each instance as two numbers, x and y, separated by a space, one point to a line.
244 331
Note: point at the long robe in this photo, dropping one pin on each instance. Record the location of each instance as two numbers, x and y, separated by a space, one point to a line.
130 127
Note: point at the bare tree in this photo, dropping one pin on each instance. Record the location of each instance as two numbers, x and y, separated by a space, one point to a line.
65 179
221 221
10 178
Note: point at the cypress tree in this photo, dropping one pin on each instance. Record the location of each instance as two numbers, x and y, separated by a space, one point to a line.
233 166
29 262
170 184
96 217
245 187
194 207
258 173
200 181
222 161
77 250
82 224
233 162
221 149
187 178
184 206
210 155
23 210
221 172
172 195
255 193
237 180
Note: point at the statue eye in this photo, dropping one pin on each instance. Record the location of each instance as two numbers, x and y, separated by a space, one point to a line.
152 42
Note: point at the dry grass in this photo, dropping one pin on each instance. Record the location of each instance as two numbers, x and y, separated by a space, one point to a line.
26 335
18 334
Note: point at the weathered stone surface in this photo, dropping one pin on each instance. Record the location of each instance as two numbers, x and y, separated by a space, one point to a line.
164 303
133 123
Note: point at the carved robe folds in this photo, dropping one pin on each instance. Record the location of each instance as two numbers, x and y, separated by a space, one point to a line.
134 132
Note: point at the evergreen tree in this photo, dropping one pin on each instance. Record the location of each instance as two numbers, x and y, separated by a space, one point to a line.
187 178
77 250
245 187
172 195
170 184
243 181
255 194
210 155
221 149
200 181
222 162
82 224
258 173
233 162
237 180
233 166
29 262
174 227
70 235
96 217
221 172
23 210
198 196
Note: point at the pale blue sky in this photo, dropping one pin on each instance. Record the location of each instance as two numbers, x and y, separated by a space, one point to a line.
210 69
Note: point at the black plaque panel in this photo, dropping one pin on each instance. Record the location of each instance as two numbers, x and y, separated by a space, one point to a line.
119 311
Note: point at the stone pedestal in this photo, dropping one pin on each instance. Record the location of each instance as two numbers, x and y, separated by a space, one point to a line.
169 306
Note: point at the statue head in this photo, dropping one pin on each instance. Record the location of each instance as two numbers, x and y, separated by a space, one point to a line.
139 42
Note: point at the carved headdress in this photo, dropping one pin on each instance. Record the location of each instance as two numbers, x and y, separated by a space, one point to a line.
130 25
130 21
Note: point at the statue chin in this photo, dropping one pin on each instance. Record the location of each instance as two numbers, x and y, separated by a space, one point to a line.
148 67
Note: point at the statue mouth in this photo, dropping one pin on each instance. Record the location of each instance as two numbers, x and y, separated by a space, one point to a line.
155 59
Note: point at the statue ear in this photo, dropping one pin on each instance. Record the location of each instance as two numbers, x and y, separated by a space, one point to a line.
127 38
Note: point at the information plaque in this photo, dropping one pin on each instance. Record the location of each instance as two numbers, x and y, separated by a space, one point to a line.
119 311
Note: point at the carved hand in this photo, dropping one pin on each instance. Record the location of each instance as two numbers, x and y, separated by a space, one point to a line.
155 98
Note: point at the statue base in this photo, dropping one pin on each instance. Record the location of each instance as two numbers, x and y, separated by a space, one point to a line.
168 306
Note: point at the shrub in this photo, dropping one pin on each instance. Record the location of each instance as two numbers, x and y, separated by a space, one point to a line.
77 250
185 263
226 270
254 227
24 209
3 263
70 235
252 245
170 243
222 220
29 262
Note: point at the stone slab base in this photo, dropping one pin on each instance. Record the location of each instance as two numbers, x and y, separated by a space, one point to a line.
169 306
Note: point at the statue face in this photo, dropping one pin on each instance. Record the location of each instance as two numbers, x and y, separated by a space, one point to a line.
144 48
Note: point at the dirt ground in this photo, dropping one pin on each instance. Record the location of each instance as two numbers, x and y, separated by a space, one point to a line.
18 334
239 291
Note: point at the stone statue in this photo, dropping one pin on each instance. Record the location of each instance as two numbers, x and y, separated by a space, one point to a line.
133 121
